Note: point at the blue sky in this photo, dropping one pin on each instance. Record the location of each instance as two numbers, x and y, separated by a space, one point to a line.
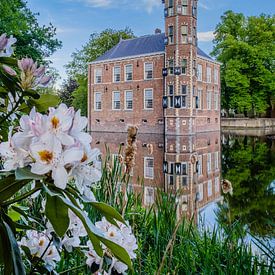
75 20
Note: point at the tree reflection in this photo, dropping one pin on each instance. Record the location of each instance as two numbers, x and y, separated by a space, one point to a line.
249 163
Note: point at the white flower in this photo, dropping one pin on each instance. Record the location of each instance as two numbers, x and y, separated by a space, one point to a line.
39 244
120 267
14 157
79 124
70 242
59 124
50 157
5 45
91 255
76 226
86 172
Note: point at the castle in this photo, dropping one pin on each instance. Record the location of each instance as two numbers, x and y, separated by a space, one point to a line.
167 86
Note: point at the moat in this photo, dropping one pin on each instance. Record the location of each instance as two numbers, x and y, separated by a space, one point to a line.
248 162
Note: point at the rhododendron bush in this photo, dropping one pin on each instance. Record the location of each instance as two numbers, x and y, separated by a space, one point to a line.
47 161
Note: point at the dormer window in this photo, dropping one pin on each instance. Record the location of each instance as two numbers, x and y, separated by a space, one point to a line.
170 35
117 72
98 75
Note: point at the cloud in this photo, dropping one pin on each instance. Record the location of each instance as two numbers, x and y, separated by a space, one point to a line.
98 3
150 4
203 5
206 36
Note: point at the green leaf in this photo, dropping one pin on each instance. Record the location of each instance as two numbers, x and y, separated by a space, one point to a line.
10 188
119 252
26 174
18 267
92 231
57 213
8 61
108 211
45 101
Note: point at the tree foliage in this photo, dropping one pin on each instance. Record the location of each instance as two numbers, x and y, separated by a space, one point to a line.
33 40
98 44
245 47
66 91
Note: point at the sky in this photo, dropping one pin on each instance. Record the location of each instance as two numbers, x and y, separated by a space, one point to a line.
75 20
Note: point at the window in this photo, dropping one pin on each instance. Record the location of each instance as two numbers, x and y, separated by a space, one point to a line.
170 35
170 179
148 71
194 9
98 75
209 188
184 169
199 97
171 89
216 76
199 72
195 35
216 101
199 165
184 34
200 193
208 75
128 72
217 161
217 184
116 100
149 168
209 100
183 95
148 99
184 7
171 97
171 66
128 100
97 101
117 74
171 8
149 196
209 164
184 66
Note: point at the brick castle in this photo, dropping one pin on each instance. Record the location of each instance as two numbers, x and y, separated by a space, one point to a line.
167 86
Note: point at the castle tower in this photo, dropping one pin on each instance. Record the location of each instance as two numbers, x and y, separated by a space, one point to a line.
179 99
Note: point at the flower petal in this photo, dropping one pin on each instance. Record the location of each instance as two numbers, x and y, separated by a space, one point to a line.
60 177
72 155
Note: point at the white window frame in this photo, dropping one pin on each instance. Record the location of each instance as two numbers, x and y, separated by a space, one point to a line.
208 74
209 188
209 100
96 75
217 160
217 184
113 97
95 105
200 72
125 100
200 164
200 191
148 174
200 93
132 72
184 34
149 200
114 78
144 101
145 75
209 162
216 76
216 101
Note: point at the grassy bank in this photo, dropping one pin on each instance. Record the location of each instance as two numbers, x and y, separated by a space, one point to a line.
168 245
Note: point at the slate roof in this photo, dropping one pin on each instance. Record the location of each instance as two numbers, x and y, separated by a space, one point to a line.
144 45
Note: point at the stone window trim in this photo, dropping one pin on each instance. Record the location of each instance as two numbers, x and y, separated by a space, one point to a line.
148 73
149 168
128 100
116 104
129 73
98 101
148 101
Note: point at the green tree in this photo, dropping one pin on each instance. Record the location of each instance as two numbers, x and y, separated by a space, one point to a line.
98 44
33 40
80 96
66 91
245 47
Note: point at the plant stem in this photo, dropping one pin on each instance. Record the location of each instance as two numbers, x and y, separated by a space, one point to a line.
73 269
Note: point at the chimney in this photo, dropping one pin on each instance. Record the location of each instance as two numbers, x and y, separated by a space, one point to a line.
157 31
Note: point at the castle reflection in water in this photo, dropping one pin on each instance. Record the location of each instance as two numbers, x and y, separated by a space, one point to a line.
189 165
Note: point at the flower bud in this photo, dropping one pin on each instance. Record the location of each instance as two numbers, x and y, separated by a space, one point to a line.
9 70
